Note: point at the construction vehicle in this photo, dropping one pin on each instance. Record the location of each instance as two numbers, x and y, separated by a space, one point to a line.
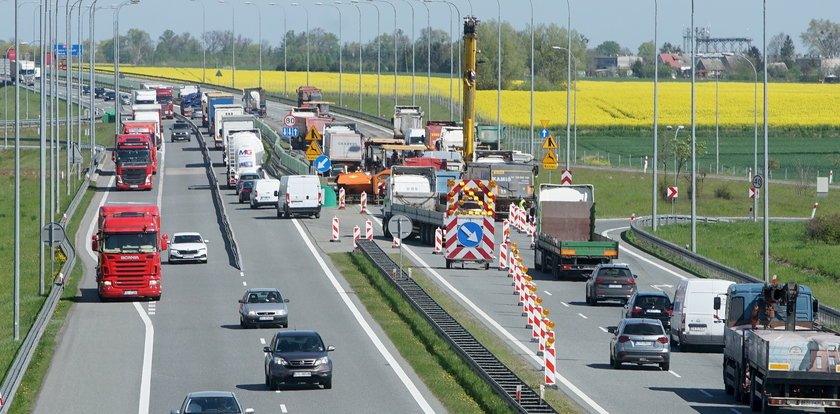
489 137
253 100
433 131
129 242
774 355
515 180
135 161
220 112
209 101
306 119
305 94
566 239
343 143
412 192
406 118
164 97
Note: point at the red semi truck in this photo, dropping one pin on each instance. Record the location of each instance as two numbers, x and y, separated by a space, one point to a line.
143 127
135 160
129 243
166 101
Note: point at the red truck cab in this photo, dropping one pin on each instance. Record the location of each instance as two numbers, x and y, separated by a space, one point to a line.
166 101
134 162
129 243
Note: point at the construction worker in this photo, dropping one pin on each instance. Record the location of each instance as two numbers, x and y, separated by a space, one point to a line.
521 202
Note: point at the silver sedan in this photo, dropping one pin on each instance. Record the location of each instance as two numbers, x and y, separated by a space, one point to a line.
263 306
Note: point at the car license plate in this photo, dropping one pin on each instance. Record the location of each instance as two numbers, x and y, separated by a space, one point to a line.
696 328
644 343
615 286
133 186
302 374
266 318
654 311
129 292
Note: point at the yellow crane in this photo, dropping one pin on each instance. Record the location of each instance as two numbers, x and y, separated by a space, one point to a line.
470 50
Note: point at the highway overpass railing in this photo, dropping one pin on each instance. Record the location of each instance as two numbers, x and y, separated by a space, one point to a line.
827 316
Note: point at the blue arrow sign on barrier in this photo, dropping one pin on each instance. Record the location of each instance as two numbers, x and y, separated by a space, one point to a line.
544 133
470 234
322 163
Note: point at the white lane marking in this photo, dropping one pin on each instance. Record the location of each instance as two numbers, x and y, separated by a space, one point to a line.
603 329
283 408
504 332
548 293
675 374
564 304
244 283
262 341
644 259
706 393
409 384
656 287
278 391
736 411
241 274
146 373
582 316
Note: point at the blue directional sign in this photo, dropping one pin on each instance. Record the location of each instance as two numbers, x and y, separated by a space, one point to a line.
322 163
60 50
544 133
469 234
75 50
290 131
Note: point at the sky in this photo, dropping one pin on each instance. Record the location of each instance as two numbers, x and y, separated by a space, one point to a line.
627 22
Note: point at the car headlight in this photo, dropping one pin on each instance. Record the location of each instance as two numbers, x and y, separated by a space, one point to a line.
282 312
154 282
280 361
322 360
252 313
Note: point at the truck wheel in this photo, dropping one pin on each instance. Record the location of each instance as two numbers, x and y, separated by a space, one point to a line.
666 366
487 266
537 264
448 264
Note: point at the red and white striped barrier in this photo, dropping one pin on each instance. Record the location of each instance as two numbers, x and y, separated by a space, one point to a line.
364 203
356 236
438 241
543 332
814 211
512 260
368 230
341 198
528 306
536 321
831 177
335 235
503 256
632 216
506 231
396 242
550 361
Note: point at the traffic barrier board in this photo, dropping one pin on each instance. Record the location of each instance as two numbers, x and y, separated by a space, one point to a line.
566 177
550 143
752 193
313 135
673 192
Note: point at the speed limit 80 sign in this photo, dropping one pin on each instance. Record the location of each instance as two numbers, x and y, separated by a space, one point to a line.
289 120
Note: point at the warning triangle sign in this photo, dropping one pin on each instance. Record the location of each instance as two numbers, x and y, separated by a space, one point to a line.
218 73
550 143
313 134
544 123
550 158
313 150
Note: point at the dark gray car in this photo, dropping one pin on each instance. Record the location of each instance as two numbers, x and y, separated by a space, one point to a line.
652 305
211 402
640 341
610 282
298 357
263 306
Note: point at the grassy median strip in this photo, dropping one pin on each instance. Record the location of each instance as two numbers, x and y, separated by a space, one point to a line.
453 382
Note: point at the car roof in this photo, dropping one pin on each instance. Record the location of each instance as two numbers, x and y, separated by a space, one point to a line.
199 394
262 290
186 233
296 333
615 265
663 294
641 320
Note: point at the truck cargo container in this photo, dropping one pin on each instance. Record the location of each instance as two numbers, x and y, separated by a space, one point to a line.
406 118
245 152
208 101
220 112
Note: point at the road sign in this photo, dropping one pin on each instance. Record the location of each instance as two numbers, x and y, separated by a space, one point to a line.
400 226
313 151
673 192
757 181
752 193
219 73
469 234
52 234
313 134
75 50
12 54
76 155
550 143
322 163
289 120
549 158
544 123
566 177
60 50
289 131
544 133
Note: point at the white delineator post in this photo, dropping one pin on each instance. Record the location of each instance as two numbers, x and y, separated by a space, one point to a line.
438 241
368 230
646 164
814 211
341 198
335 230
356 236
396 242
831 177
364 203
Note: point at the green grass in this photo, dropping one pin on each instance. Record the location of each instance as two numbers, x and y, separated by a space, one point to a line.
792 257
618 194
7 95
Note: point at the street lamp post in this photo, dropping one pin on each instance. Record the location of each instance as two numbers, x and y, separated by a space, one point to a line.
259 28
693 193
395 47
307 38
92 81
340 64
359 10
378 59
766 152
117 103
755 126
499 68
655 114
285 73
573 89
17 188
568 83
68 91
429 59
42 134
451 51
531 137
203 42
413 95
232 43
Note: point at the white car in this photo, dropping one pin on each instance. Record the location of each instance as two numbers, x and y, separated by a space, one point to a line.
187 246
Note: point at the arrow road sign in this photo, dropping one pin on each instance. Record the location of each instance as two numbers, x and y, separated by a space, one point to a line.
289 120
673 192
469 234
290 131
544 133
322 163
752 192
566 177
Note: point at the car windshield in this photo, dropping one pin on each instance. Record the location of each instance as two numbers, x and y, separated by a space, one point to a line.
247 185
187 238
652 302
269 296
614 273
306 343
212 405
129 243
643 329
180 126
164 99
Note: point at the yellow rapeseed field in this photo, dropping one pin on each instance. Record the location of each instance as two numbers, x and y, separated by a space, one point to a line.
599 103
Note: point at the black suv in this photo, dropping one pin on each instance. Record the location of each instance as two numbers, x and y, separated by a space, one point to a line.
98 92
298 356
610 282
180 131
86 89
651 305
110 96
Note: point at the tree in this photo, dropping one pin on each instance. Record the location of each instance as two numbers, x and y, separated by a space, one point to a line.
774 46
139 46
755 56
608 48
822 38
788 52
682 152
647 51
669 48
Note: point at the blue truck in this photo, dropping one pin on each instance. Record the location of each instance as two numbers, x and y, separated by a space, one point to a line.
210 100
774 355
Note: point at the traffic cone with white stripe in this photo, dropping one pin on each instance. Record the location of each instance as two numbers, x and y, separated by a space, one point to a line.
368 230
550 362
356 236
364 203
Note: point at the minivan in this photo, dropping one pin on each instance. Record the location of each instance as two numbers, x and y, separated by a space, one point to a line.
694 320
265 192
299 195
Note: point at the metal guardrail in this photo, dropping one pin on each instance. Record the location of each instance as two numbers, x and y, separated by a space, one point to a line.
280 157
827 315
227 229
499 376
33 338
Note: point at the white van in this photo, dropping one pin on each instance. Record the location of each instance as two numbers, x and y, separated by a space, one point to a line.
264 192
299 195
694 320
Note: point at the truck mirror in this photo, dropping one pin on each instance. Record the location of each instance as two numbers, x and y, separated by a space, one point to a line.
94 243
717 303
816 305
